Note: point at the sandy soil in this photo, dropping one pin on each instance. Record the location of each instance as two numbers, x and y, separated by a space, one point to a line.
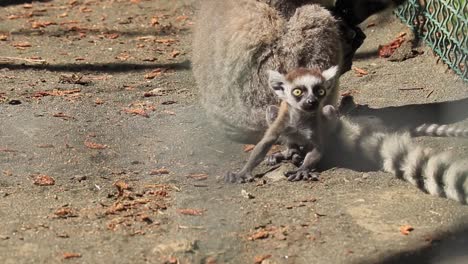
98 95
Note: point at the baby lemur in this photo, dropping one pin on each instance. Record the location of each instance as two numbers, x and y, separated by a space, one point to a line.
303 92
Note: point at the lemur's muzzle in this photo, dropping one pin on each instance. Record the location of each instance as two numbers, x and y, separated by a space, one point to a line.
311 104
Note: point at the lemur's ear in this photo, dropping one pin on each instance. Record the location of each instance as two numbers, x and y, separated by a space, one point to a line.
330 72
276 82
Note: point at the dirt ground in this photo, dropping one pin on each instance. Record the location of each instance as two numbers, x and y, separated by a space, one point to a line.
106 156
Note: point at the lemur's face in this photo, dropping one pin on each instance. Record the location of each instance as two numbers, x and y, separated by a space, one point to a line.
303 89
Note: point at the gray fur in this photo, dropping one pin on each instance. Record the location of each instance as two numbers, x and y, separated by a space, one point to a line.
236 42
287 7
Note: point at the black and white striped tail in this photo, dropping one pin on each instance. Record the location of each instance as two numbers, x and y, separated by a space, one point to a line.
435 130
438 174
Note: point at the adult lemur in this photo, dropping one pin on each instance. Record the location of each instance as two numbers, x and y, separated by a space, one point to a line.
235 42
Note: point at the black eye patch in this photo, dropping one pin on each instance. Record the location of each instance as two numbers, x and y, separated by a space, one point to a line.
319 91
278 86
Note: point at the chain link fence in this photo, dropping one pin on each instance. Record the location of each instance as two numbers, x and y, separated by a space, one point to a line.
443 24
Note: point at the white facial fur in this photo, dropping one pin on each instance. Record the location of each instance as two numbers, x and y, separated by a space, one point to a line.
282 87
307 81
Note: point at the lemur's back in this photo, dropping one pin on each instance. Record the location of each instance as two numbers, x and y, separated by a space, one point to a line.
236 42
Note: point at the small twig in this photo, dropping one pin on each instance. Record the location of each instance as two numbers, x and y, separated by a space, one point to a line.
190 227
411 89
21 59
429 94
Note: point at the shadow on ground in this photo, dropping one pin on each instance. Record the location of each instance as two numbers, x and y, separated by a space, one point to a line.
400 117
98 67
449 247
19 2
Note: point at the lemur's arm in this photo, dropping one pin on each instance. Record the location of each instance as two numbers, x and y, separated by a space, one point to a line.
261 149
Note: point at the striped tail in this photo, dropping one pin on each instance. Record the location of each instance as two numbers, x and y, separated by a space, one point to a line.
434 173
435 130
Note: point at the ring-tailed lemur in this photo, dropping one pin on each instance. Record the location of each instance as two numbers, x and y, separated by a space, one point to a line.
303 92
236 42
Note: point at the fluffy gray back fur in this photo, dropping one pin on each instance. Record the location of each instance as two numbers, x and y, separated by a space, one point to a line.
287 7
237 42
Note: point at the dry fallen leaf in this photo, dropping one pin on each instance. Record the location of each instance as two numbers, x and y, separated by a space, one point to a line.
93 145
7 150
181 18
175 53
386 51
3 37
166 41
260 234
56 93
112 35
85 9
98 101
360 72
406 229
69 255
198 177
38 24
169 112
123 56
63 116
159 171
154 73
22 44
248 148
261 258
189 211
154 21
43 180
65 212
136 111
121 186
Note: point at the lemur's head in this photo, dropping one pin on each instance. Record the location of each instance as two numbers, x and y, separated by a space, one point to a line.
304 88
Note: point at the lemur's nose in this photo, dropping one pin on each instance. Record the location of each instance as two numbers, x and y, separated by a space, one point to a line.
311 103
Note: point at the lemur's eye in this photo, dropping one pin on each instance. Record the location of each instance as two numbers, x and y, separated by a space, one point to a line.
320 92
297 92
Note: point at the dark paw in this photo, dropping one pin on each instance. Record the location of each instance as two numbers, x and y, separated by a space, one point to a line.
302 175
232 177
297 160
274 159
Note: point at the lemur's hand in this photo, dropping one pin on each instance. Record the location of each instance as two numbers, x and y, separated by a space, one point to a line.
240 177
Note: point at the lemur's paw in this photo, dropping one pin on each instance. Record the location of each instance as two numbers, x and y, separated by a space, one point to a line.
274 159
297 160
232 177
302 175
